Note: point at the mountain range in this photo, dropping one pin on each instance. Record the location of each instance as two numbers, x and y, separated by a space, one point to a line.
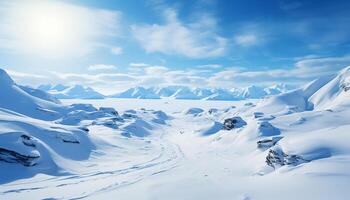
184 92
175 92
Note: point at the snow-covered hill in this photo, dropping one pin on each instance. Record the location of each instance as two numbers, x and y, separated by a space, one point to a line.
184 92
37 131
71 92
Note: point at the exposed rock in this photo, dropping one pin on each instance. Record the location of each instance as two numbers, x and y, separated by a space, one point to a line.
109 110
277 158
15 157
249 104
258 114
70 141
67 138
28 140
345 86
83 128
213 110
267 143
234 122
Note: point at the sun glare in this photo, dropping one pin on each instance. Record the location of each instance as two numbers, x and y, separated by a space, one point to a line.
48 28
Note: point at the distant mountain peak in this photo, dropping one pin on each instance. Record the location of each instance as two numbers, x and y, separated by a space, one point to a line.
5 79
72 92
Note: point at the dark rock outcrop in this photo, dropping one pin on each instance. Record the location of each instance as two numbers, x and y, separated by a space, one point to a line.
258 114
267 143
15 157
277 158
28 140
234 122
345 86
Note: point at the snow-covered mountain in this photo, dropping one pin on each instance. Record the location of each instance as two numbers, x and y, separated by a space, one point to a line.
137 93
184 92
71 92
323 93
26 100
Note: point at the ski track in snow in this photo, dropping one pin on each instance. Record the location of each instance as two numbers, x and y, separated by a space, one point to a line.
169 157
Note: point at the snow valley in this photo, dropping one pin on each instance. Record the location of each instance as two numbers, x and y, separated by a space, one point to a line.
291 144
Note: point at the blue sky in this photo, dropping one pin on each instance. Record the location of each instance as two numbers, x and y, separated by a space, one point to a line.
113 45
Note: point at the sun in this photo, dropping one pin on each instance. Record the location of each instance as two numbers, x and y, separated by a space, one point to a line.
48 28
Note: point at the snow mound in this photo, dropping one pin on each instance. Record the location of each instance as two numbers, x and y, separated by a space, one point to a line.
211 129
193 111
267 129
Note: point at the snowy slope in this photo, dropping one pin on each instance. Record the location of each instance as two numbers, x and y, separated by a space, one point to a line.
40 136
336 92
71 92
40 94
13 97
305 98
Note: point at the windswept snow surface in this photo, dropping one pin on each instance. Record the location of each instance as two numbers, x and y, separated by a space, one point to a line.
292 146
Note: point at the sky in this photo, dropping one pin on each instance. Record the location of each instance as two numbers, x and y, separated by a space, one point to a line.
115 45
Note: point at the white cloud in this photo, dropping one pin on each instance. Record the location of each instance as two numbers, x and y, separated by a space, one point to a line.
193 40
246 39
209 66
28 78
54 29
116 50
304 70
156 70
101 67
322 65
139 65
